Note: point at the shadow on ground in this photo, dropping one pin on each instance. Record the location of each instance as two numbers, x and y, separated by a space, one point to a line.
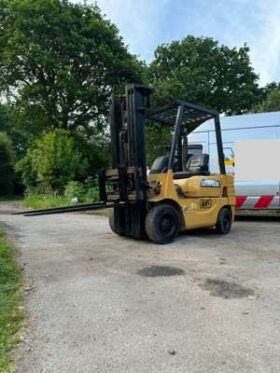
258 218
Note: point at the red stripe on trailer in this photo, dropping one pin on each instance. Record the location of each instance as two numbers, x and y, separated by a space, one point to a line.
240 200
263 202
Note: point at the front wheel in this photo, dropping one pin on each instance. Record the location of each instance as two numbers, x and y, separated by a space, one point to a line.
112 224
224 221
162 224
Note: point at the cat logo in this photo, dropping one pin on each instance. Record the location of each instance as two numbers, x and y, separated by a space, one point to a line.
205 203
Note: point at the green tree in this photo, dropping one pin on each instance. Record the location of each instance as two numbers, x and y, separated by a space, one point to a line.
52 161
95 151
270 87
7 159
59 64
158 141
7 125
271 100
3 119
204 72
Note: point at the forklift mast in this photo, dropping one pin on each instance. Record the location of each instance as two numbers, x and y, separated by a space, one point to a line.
127 127
128 177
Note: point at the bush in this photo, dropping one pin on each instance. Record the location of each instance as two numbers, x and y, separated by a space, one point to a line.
92 195
52 162
82 192
6 165
74 190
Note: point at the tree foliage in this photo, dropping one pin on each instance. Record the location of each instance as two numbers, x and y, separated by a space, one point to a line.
3 119
52 161
59 63
204 72
158 141
271 101
7 159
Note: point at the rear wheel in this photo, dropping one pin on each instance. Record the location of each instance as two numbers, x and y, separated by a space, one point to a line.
162 224
224 221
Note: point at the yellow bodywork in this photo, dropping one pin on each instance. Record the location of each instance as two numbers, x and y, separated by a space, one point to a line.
200 203
230 162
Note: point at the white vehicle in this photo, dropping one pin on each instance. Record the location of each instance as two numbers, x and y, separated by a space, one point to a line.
252 154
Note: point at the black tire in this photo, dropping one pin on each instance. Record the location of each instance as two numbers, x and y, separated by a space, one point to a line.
224 221
162 224
112 224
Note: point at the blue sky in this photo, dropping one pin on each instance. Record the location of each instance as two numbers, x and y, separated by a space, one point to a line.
146 23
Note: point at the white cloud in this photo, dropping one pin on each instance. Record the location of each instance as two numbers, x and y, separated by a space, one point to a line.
255 22
144 24
138 22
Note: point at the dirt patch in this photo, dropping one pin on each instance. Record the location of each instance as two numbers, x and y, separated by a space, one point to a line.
10 207
226 289
160 271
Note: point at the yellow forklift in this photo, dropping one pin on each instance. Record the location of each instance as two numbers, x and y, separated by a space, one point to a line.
179 193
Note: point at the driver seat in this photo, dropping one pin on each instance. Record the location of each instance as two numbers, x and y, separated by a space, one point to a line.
197 165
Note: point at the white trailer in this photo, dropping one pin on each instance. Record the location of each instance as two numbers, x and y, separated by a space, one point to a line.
252 154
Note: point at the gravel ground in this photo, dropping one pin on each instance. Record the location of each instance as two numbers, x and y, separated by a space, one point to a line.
97 302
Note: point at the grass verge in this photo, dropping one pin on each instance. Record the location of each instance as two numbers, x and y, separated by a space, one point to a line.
11 315
45 202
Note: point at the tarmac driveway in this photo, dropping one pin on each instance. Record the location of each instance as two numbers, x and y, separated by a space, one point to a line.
101 303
